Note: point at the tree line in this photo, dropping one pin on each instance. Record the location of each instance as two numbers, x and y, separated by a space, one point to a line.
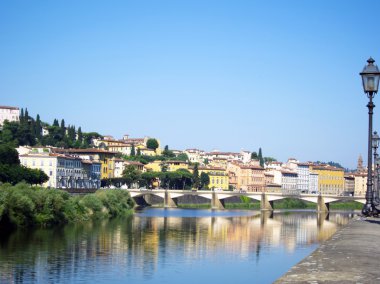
28 131
179 179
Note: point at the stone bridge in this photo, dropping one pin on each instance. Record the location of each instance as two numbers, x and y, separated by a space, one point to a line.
217 197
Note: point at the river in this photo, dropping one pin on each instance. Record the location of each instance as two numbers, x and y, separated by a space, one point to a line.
167 246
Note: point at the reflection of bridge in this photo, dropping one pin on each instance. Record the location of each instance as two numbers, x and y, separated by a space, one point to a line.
217 197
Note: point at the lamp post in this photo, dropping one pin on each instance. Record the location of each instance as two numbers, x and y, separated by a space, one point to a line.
370 77
375 145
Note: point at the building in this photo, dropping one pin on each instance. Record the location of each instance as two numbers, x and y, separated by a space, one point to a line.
9 113
246 177
170 166
349 185
98 155
195 155
313 183
289 182
64 171
360 184
330 179
303 174
118 167
218 177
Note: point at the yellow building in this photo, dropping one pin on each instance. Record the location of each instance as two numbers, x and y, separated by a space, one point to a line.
98 155
171 166
218 177
330 179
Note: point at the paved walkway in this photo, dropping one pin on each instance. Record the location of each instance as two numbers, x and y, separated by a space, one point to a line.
352 255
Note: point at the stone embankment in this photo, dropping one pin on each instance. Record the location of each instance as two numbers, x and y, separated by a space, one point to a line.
352 255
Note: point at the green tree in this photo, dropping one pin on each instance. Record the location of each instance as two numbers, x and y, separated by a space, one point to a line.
80 134
133 150
196 181
204 180
167 153
254 156
38 128
22 115
55 122
8 155
260 157
138 152
131 175
152 144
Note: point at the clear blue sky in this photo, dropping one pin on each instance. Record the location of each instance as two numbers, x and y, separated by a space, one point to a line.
227 75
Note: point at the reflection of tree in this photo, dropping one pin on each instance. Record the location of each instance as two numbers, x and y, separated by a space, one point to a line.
138 244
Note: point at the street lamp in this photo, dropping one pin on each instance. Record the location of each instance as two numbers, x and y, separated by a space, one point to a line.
370 77
375 145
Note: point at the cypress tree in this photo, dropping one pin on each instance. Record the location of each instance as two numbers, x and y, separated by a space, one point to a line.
80 134
133 150
196 176
38 129
55 123
22 115
261 159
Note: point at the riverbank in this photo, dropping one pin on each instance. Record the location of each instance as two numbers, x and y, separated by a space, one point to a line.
25 206
350 256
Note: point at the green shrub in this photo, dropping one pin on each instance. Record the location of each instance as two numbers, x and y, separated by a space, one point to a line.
23 205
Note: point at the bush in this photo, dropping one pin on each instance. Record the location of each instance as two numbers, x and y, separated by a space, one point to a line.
23 205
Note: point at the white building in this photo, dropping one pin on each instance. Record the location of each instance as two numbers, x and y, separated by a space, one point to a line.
303 172
195 155
313 183
289 182
64 171
9 113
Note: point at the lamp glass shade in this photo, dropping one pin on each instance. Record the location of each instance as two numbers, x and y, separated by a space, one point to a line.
370 77
375 140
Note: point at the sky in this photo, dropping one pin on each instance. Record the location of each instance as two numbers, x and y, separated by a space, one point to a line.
226 75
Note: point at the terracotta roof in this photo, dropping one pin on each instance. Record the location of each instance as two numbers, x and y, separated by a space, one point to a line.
85 151
251 167
211 169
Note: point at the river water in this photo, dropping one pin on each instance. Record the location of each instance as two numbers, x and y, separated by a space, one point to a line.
167 246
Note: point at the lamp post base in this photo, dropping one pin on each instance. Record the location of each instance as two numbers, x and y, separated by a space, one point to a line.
370 210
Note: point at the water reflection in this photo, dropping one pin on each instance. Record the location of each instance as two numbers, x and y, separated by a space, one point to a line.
156 249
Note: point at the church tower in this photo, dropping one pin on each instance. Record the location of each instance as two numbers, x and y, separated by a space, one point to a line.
360 164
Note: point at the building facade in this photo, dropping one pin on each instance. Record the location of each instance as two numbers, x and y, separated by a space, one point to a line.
218 177
9 113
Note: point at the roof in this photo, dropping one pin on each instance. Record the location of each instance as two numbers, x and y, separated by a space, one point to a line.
9 107
85 151
50 155
211 169
252 167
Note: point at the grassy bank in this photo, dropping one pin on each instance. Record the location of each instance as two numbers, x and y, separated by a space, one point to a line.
23 205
